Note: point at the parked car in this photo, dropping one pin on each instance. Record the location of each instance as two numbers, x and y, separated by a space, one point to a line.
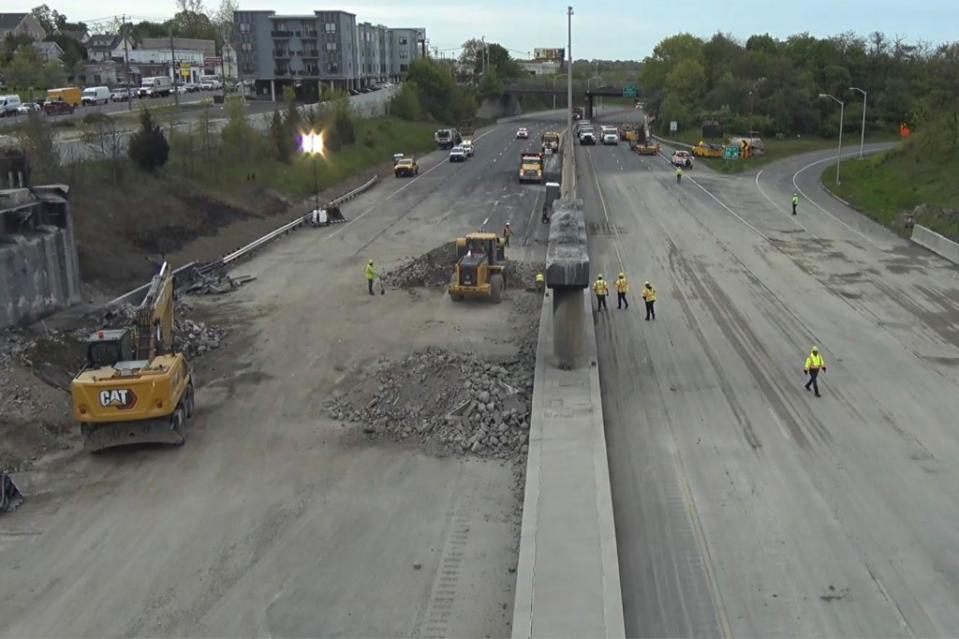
122 95
683 159
522 133
354 92
93 96
27 107
457 154
9 104
57 107
406 167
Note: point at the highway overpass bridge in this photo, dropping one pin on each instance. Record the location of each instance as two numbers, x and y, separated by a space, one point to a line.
557 87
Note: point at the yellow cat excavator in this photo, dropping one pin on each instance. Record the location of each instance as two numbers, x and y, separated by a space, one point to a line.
135 387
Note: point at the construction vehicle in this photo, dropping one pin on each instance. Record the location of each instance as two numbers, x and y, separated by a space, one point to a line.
629 132
135 387
550 142
480 267
646 147
406 167
704 150
530 167
466 128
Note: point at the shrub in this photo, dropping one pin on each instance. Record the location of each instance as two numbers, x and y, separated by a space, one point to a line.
149 149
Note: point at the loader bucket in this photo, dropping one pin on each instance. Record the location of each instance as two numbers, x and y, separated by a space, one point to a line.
10 495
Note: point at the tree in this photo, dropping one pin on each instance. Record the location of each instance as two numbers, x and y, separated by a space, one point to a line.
100 133
224 19
280 139
149 149
237 134
37 140
435 85
406 103
50 19
26 69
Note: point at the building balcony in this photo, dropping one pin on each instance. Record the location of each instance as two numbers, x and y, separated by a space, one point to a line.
281 34
281 54
311 54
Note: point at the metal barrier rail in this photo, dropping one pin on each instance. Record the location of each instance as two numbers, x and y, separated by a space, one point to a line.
187 273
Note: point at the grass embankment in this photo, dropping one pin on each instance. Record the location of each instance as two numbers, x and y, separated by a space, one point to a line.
888 185
377 139
206 202
776 149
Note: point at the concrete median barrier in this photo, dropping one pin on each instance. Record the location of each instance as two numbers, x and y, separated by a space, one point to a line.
938 244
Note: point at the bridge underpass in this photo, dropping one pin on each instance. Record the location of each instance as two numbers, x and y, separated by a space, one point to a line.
583 94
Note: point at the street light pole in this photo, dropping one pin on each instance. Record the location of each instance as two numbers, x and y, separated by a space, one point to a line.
862 136
312 144
569 76
842 110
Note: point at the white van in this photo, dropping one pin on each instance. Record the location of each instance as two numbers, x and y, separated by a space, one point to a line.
9 105
95 95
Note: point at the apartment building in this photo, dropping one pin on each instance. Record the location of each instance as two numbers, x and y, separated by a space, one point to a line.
324 49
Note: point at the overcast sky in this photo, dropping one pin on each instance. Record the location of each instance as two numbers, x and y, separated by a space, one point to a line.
609 29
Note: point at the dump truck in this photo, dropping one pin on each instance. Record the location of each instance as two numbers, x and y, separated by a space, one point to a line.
704 150
447 138
480 267
531 167
136 387
550 141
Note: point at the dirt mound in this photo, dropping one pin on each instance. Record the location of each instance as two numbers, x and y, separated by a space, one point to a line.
472 406
430 269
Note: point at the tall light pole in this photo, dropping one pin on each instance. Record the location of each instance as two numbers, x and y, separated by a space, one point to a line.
862 137
842 111
569 76
312 145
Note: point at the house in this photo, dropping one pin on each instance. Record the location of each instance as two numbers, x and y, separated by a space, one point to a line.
108 47
21 24
49 51
206 47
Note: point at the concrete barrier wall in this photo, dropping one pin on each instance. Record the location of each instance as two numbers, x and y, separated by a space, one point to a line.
936 243
38 275
569 165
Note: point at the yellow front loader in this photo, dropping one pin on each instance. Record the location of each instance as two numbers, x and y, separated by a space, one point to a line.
135 387
480 268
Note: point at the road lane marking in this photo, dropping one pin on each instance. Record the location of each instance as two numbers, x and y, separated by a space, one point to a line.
602 200
776 206
389 196
814 203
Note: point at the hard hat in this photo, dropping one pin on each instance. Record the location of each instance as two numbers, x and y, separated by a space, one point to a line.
647 284
815 349
622 275
600 276
507 224
370 262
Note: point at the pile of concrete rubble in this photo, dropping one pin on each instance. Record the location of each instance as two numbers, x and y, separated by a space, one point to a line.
430 269
451 403
217 283
192 338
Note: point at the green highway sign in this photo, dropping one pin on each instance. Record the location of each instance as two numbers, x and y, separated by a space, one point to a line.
629 91
731 152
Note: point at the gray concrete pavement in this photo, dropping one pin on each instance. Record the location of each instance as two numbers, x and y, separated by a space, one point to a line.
274 520
744 505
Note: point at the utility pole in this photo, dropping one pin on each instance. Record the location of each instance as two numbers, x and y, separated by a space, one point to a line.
862 138
176 91
126 58
569 78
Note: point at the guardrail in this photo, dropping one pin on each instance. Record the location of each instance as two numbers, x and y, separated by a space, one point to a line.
188 273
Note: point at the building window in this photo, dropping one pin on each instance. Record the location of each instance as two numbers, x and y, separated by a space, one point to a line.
403 41
246 46
404 68
333 67
404 54
244 27
331 27
331 46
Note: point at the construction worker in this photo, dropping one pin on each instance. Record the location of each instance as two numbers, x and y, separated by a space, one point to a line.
649 296
814 364
371 275
507 232
602 290
679 174
622 287
540 283
795 202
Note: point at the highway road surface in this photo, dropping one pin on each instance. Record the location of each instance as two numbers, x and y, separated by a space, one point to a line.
745 506
274 520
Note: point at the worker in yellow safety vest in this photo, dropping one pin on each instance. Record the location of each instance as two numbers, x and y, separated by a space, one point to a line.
795 202
371 275
649 296
622 287
602 290
540 282
679 174
814 364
